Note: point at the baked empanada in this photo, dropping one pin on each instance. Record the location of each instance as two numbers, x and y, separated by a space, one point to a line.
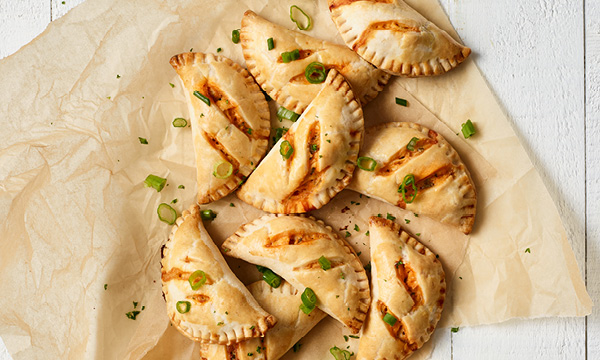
299 249
394 37
205 301
445 191
286 82
230 121
292 324
409 289
315 159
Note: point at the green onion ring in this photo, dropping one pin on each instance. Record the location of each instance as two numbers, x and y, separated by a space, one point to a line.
179 122
360 162
166 213
307 27
183 306
235 36
309 301
197 279
315 73
340 354
220 175
409 180
411 144
286 149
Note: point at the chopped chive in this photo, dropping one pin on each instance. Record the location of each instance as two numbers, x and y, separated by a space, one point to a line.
183 306
468 129
166 213
390 217
401 102
155 182
270 44
197 279
143 140
202 97
390 319
222 170
180 122
354 336
286 149
208 215
269 276
290 56
235 36
283 113
411 144
366 163
297 22
325 263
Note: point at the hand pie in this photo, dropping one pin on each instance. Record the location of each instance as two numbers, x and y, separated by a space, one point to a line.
221 309
394 37
445 191
299 249
409 288
230 121
315 159
292 324
286 82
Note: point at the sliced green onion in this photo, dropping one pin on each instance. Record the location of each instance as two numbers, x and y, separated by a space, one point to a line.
155 182
390 319
366 163
409 180
166 213
208 215
411 144
284 113
286 149
269 276
402 102
279 132
223 170
340 354
308 19
325 263
143 140
197 279
468 129
313 148
180 122
290 56
183 306
270 44
315 73
202 97
309 301
235 36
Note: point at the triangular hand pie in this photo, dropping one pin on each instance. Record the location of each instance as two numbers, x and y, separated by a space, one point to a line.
409 289
315 159
286 82
205 301
394 37
230 121
308 254
445 191
292 324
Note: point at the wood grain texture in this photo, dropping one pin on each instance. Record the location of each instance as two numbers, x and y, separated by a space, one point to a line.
592 45
532 55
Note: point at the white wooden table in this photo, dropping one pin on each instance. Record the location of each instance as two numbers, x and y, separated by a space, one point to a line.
542 59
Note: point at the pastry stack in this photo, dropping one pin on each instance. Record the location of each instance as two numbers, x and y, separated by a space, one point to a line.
309 271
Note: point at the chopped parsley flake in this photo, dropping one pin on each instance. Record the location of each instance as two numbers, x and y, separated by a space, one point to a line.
172 85
356 228
132 314
105 286
528 250
390 217
232 204
348 234
407 221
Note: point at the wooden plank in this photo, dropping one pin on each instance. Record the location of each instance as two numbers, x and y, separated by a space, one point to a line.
592 46
542 89
61 7
22 21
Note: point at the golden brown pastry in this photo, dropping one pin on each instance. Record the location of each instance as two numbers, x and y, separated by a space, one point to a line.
292 324
230 121
307 254
394 37
205 301
286 82
409 289
315 159
445 191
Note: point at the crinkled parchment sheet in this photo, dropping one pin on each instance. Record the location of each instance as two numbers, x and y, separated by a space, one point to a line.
75 214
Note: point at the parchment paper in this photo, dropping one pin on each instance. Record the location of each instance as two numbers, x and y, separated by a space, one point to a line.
76 216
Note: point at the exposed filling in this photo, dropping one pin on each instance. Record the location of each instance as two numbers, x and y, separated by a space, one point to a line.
397 331
303 55
404 155
391 25
292 237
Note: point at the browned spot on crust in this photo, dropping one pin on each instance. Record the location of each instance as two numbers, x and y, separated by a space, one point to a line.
391 25
337 3
293 237
199 298
404 155
397 331
304 53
